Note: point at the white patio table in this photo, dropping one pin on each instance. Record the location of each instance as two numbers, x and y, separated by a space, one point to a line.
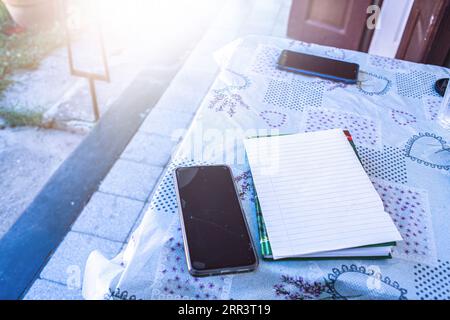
391 115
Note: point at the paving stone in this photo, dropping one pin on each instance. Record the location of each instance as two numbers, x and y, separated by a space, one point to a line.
152 149
280 30
131 179
203 60
47 290
68 262
262 19
264 13
186 91
108 216
214 40
168 123
233 13
256 29
281 23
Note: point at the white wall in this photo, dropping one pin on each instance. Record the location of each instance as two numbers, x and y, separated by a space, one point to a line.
392 21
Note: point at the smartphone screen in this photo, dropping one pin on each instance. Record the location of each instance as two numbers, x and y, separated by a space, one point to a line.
319 66
216 235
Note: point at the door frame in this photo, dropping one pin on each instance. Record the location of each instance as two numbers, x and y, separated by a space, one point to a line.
395 16
432 32
439 53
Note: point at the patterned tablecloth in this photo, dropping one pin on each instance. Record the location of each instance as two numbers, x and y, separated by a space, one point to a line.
392 117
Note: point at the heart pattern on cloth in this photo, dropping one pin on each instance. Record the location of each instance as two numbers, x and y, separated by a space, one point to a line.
431 105
235 82
293 44
336 53
347 282
402 118
274 119
429 150
373 84
386 63
354 282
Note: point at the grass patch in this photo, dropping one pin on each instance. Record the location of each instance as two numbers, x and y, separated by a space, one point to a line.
21 49
21 118
4 14
24 49
4 84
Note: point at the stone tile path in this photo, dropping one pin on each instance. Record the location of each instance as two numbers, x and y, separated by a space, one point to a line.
121 200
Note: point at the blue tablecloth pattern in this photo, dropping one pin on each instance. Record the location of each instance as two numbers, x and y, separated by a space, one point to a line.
391 114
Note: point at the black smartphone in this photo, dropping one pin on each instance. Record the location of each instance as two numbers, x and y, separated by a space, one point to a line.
215 232
441 86
318 66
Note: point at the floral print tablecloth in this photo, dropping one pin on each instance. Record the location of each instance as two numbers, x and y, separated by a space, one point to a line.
391 114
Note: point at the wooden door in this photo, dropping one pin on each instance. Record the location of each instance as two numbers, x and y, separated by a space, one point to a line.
424 22
338 23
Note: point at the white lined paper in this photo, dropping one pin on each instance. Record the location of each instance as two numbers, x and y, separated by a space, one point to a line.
315 196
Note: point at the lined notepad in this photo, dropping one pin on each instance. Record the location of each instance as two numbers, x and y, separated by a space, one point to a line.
315 196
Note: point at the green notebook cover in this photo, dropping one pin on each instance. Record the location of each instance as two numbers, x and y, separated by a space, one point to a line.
266 249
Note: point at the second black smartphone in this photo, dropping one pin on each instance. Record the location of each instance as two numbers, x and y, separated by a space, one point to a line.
331 69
